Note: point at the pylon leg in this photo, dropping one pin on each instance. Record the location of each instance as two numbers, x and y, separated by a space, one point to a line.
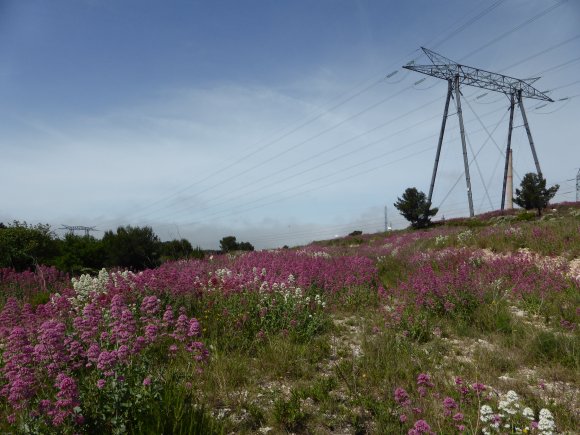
507 152
530 139
441 134
465 162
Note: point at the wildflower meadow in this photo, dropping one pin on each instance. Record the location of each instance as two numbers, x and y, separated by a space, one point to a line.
468 327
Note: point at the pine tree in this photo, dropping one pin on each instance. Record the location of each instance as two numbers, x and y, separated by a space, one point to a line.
415 208
533 193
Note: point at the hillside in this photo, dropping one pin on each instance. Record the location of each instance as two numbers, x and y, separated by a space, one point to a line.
468 327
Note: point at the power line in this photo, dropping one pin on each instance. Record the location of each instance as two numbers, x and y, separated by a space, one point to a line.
284 152
373 159
456 31
515 29
358 136
239 209
268 177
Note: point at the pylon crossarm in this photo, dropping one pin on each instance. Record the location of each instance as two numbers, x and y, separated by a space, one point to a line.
481 79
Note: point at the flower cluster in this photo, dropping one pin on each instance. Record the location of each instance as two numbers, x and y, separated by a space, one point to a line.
513 417
48 351
28 284
452 410
464 237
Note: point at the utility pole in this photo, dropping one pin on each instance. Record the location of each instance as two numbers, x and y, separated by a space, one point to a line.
386 221
457 74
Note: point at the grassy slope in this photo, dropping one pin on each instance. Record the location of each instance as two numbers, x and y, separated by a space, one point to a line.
338 371
343 380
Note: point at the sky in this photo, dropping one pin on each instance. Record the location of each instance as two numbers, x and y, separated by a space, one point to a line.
276 122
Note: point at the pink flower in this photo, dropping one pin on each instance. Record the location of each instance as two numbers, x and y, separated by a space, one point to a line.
147 381
424 379
150 305
449 403
194 328
168 317
181 327
402 418
123 352
420 427
101 384
151 332
478 387
106 360
402 397
458 417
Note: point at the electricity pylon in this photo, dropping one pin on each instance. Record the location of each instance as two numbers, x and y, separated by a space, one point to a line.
456 74
72 228
578 186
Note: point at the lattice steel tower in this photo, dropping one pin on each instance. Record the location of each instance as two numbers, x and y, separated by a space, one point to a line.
72 228
456 75
578 186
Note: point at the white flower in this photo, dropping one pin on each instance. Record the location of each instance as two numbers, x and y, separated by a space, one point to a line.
546 414
509 403
512 396
486 413
528 413
465 236
546 422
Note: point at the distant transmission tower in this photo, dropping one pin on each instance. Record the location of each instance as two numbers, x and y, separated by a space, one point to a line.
457 74
72 228
386 220
578 186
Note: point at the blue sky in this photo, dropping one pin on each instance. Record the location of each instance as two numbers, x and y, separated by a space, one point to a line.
271 121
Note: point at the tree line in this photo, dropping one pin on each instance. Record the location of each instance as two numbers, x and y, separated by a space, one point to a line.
24 246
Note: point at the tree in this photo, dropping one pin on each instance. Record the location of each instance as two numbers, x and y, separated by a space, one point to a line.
80 254
245 246
415 208
176 249
136 248
533 193
229 243
356 233
23 246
